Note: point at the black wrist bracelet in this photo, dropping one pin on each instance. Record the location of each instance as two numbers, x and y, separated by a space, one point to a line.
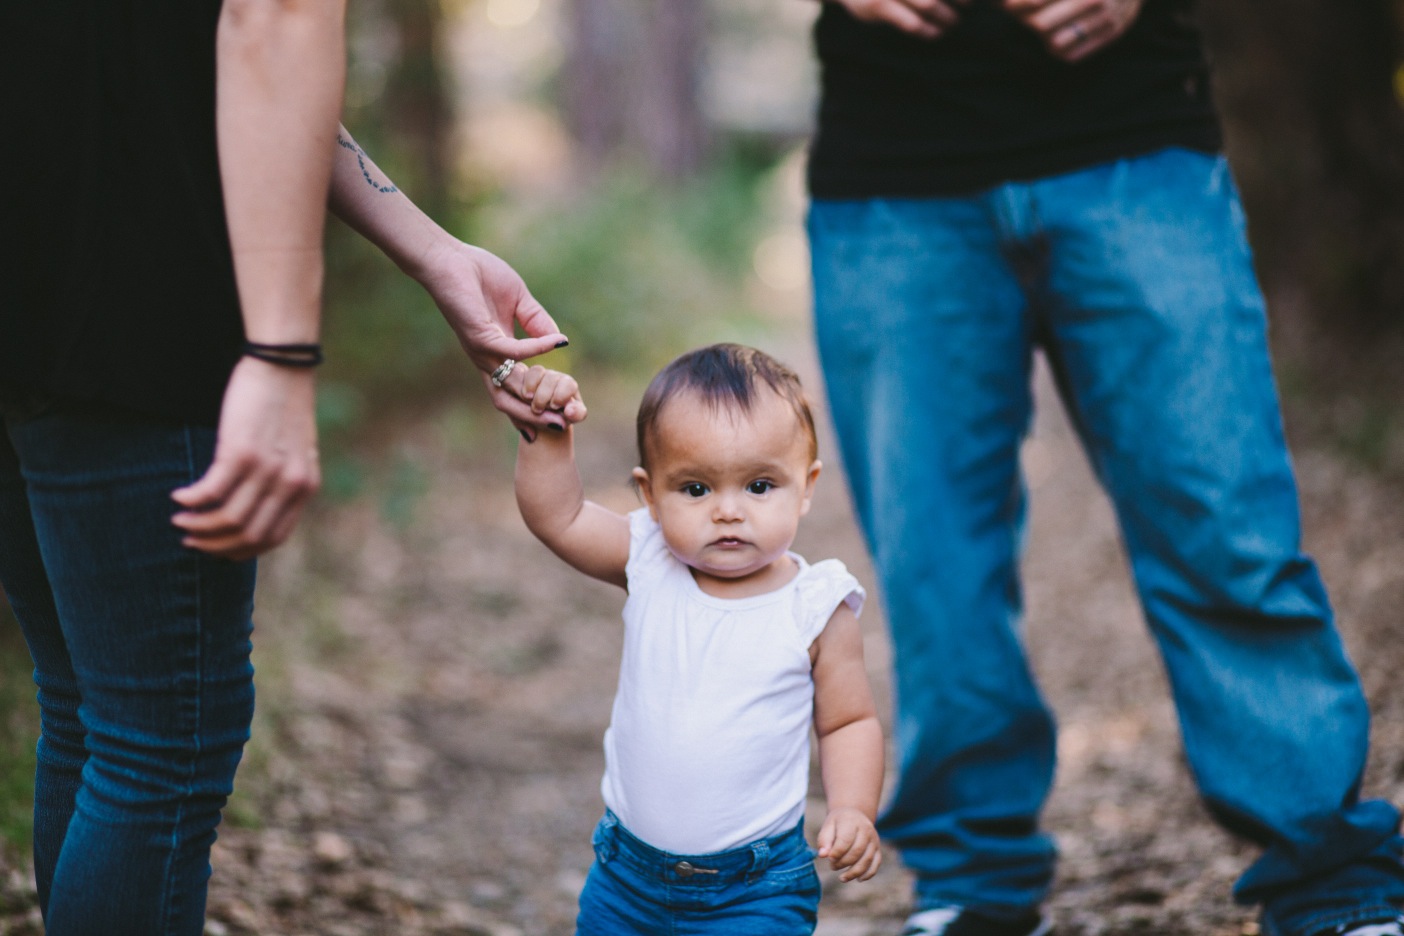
288 355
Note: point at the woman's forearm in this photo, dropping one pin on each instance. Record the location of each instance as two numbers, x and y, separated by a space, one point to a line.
280 74
367 200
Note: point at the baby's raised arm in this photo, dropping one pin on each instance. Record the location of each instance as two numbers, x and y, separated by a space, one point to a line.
592 538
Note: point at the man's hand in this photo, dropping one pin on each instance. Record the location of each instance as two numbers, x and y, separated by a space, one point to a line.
265 464
925 18
1074 29
483 299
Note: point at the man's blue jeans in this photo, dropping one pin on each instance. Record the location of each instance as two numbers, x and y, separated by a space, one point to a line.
1135 280
141 657
768 888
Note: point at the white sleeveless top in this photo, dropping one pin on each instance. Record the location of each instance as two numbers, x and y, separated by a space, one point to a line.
708 745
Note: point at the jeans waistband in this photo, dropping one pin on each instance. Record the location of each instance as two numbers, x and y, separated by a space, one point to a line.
613 842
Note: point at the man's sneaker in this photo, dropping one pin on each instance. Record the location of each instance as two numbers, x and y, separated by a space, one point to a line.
957 921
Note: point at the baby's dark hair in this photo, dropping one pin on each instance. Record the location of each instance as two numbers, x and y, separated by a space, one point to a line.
723 375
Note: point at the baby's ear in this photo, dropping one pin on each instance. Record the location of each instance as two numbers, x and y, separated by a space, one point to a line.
811 478
645 488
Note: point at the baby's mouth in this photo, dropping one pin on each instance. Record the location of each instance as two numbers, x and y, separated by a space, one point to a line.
729 541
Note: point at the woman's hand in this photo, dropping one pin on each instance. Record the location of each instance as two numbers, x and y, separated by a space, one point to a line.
265 466
484 300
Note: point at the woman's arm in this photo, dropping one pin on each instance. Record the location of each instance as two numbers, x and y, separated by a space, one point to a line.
850 748
280 71
480 296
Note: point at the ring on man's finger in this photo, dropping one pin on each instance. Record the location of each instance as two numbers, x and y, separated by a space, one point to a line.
503 372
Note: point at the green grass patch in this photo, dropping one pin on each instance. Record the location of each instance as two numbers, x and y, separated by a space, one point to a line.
19 730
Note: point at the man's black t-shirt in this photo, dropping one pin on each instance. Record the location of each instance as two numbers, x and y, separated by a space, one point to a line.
116 283
986 103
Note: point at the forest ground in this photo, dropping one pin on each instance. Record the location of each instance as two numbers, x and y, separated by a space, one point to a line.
435 684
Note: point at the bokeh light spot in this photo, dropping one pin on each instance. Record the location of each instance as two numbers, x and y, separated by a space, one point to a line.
781 260
512 13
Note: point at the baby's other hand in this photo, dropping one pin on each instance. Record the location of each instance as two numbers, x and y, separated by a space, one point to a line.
850 842
550 390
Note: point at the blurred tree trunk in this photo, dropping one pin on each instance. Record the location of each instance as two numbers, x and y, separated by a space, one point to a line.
632 83
671 115
1311 97
594 75
417 111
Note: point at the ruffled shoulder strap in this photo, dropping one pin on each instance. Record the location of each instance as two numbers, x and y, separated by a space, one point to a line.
819 590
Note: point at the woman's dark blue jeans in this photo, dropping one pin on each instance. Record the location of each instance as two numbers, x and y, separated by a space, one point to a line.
141 658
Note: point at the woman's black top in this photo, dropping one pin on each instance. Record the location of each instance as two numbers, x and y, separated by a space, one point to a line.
116 283
986 103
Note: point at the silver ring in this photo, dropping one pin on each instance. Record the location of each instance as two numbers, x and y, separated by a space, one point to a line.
1079 34
503 372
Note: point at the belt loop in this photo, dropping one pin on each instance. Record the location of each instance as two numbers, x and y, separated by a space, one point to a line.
606 838
760 860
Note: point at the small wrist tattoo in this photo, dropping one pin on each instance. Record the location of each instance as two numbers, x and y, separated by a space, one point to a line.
344 143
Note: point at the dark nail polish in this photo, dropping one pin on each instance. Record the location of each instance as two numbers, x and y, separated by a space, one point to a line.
525 437
563 342
555 428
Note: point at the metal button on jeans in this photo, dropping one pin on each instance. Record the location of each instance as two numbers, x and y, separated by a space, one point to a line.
688 869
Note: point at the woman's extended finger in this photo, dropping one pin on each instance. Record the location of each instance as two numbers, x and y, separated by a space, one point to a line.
538 323
210 515
268 523
285 497
213 487
229 519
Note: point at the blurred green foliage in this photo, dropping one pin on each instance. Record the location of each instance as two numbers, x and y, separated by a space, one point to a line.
632 271
19 730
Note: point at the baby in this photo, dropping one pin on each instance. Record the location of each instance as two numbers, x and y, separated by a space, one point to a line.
733 646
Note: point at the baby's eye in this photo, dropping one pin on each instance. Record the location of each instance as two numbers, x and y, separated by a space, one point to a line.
760 487
694 489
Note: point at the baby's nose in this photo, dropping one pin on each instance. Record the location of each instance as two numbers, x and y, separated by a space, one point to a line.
727 508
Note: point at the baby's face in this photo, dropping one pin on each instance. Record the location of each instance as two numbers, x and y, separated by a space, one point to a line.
728 488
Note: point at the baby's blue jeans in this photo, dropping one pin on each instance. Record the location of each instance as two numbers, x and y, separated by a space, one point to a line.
768 888
1135 280
141 658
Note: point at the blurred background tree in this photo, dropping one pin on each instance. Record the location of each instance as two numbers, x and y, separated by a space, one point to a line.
633 74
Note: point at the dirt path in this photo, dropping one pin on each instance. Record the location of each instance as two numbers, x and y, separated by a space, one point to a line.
433 767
